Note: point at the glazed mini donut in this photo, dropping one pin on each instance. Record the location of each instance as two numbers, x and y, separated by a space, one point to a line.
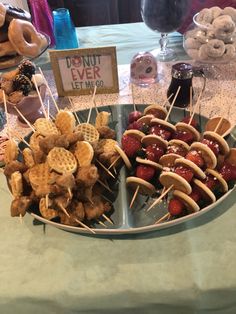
6 49
3 11
205 17
231 12
229 53
216 11
192 43
215 48
224 27
24 38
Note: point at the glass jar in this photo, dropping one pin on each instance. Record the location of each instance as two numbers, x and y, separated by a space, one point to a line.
211 38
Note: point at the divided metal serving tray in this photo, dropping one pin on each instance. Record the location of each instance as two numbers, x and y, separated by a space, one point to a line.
135 220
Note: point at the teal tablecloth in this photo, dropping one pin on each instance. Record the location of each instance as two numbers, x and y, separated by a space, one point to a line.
187 269
128 38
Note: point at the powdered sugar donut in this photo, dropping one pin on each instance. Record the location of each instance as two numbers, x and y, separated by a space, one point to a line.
193 53
202 53
215 48
224 27
231 12
205 17
229 53
216 11
192 43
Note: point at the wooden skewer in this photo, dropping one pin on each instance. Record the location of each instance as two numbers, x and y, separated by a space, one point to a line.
79 222
108 171
26 121
191 101
46 200
64 210
218 124
20 138
74 113
134 196
173 102
101 223
167 100
49 90
107 219
113 163
104 185
48 110
21 219
39 95
164 192
166 216
132 92
89 114
70 193
195 108
85 226
6 113
95 106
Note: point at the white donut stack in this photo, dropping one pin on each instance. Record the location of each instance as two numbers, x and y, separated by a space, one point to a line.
213 37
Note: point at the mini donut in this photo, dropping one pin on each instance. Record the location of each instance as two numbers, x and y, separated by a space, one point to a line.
193 53
216 11
205 17
192 43
6 49
3 11
11 12
229 53
202 53
231 12
215 48
24 38
224 27
201 36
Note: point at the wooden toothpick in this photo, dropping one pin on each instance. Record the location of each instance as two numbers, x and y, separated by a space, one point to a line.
164 192
39 95
49 90
134 196
173 102
24 118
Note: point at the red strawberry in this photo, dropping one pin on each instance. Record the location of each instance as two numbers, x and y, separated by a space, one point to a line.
158 130
195 195
154 152
130 145
212 145
175 149
135 126
228 172
175 207
184 173
210 182
134 116
196 158
184 136
187 119
145 172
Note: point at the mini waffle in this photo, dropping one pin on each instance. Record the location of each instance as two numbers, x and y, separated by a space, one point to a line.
39 175
102 119
16 184
84 153
45 127
28 157
34 141
61 160
65 121
90 133
11 151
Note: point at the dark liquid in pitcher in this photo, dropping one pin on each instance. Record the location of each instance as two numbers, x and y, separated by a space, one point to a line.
164 16
183 98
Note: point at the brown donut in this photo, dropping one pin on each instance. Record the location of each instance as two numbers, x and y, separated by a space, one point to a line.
11 13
